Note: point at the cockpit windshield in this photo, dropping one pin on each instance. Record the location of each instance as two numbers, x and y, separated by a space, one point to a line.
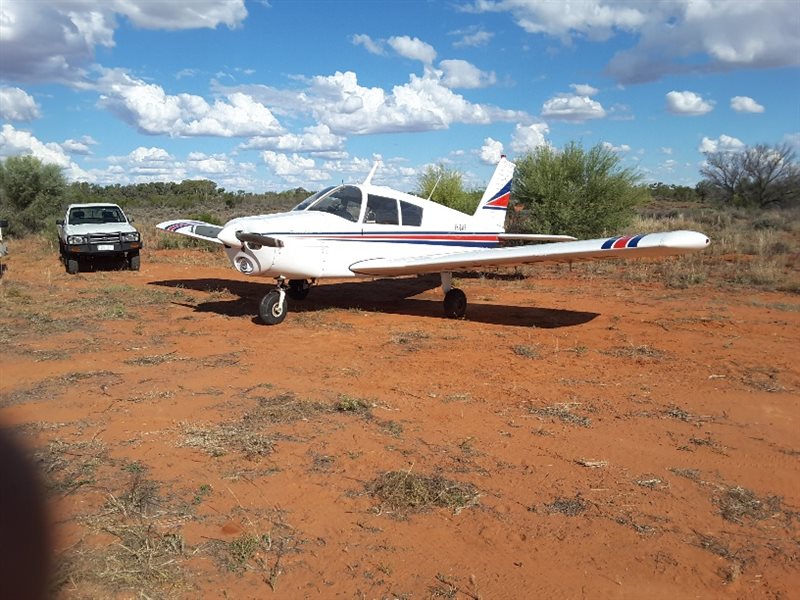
343 201
311 199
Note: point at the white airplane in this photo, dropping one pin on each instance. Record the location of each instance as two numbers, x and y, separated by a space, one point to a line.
364 230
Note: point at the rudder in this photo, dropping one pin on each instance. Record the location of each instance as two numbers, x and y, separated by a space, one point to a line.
491 211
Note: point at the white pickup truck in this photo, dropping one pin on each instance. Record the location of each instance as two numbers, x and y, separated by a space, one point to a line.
97 230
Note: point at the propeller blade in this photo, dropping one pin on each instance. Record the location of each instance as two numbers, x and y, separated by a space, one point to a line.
261 240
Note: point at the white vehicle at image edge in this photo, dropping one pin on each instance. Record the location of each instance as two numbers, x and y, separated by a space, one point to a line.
364 230
97 230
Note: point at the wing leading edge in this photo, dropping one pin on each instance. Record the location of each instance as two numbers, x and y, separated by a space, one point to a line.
649 245
198 230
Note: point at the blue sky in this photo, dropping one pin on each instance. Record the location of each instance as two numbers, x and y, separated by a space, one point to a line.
273 95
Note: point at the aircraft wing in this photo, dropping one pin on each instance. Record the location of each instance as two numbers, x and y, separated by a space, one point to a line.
198 230
640 246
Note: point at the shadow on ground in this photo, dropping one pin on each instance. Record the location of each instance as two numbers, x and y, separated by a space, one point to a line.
390 296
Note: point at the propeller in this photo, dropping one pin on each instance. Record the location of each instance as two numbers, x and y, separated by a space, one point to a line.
257 238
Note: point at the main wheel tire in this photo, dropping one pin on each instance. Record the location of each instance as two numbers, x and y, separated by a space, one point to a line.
271 310
72 265
298 289
134 262
455 304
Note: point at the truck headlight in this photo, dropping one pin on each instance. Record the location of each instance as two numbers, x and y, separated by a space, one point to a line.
77 239
130 237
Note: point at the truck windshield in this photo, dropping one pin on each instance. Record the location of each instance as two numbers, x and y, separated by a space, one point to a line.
95 214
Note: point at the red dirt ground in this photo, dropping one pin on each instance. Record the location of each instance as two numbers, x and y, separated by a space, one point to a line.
625 440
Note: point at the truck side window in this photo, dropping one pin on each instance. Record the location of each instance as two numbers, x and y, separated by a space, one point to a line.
412 214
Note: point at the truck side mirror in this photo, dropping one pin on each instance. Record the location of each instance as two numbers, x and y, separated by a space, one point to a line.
59 221
3 223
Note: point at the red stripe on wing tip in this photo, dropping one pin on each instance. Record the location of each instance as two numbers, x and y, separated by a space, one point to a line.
622 242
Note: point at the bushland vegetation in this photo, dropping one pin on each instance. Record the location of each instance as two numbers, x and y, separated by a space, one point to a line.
581 192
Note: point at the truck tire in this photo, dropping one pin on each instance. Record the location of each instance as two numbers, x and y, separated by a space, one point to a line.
72 265
134 261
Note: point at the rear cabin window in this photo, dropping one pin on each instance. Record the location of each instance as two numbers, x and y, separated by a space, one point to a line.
411 213
381 211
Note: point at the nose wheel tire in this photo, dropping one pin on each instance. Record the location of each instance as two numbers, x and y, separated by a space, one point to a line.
273 307
455 304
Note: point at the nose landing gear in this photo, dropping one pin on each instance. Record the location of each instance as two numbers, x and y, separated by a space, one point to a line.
273 306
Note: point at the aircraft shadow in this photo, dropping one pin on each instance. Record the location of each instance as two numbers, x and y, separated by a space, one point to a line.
389 296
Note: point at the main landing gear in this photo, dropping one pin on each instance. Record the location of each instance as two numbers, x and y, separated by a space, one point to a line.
274 306
455 301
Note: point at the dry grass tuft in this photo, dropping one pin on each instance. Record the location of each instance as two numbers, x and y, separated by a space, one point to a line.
401 492
69 466
564 412
738 504
570 507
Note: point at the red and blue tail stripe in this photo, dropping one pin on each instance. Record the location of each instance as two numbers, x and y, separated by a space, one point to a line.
500 200
626 241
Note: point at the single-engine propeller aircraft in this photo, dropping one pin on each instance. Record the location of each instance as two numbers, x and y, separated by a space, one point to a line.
364 230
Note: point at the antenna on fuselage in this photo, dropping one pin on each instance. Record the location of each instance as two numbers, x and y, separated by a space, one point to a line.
368 180
433 189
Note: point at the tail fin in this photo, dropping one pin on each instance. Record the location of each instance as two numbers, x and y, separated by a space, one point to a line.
491 211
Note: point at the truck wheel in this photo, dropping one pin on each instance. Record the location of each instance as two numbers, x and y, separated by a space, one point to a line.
134 262
72 265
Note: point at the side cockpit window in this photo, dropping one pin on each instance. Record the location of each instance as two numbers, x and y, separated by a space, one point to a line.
411 213
381 211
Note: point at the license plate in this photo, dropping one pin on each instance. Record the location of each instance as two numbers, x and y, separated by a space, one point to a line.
105 246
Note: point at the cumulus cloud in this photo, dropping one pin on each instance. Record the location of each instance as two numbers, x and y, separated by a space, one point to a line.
316 139
17 105
294 168
491 151
53 40
595 20
618 149
473 38
462 74
372 46
81 146
423 104
688 103
151 110
569 107
527 138
724 34
15 141
745 104
723 143
583 89
413 48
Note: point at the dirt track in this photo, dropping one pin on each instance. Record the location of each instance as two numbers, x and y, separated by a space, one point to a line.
611 439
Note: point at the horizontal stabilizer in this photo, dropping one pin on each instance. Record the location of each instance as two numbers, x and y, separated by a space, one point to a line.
651 245
198 230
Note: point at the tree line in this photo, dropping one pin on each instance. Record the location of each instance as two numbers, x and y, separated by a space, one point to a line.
573 190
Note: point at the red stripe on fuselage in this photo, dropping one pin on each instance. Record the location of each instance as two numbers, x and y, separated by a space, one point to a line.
406 236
